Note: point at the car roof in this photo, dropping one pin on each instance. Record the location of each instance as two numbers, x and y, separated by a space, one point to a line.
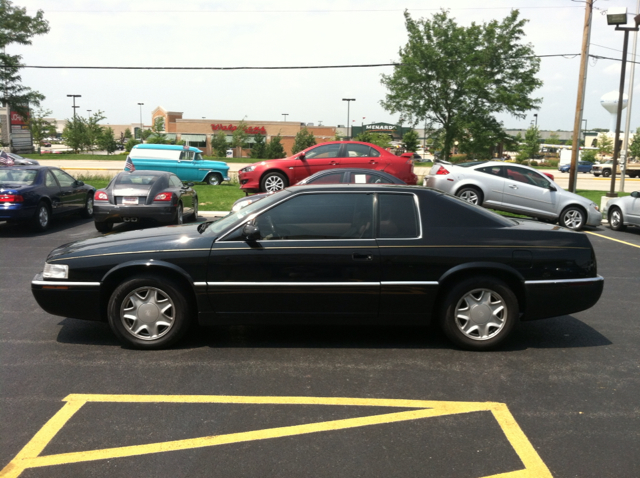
359 187
170 147
145 172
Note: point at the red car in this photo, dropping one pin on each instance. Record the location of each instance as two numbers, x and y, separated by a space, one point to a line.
276 174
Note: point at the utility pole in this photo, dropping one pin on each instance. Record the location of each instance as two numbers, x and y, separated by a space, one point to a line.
577 124
625 143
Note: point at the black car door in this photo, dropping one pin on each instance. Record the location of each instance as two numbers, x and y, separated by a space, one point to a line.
53 191
316 260
72 195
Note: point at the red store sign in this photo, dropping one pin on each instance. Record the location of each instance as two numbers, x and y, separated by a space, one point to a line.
248 129
16 119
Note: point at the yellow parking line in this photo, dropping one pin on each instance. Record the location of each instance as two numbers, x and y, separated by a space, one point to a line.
29 456
612 239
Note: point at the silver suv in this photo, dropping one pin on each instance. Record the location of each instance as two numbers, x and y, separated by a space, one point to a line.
514 188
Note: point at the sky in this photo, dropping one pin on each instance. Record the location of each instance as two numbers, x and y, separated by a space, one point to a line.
194 33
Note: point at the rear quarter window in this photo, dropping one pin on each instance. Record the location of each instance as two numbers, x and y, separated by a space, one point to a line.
442 210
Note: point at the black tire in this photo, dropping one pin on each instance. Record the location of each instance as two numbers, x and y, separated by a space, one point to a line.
179 219
194 216
471 194
87 211
214 179
597 175
573 217
167 312
493 311
42 218
273 181
606 173
103 226
616 219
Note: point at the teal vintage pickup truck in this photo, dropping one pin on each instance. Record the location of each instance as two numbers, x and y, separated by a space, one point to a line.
185 162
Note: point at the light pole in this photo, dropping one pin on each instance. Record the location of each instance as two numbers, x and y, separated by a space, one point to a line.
617 17
285 116
348 100
584 132
74 103
89 111
535 115
141 105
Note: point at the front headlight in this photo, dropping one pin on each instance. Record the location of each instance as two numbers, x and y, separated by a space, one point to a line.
55 271
248 169
594 205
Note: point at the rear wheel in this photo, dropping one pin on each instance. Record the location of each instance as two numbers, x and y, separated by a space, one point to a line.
479 313
103 226
272 182
573 217
179 219
147 312
616 220
42 218
471 195
214 179
194 216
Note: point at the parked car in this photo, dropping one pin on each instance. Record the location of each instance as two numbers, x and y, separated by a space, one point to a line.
330 176
276 174
35 194
144 196
514 188
583 167
20 161
186 163
623 212
328 254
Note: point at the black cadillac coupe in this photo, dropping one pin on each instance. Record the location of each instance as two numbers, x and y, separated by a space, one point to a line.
321 254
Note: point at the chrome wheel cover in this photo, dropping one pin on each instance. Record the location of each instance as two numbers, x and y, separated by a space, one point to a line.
147 313
214 180
615 218
90 206
273 183
43 216
470 196
481 314
180 215
573 219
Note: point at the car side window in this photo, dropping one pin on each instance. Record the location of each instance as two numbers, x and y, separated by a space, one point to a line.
398 216
198 157
525 176
324 151
50 181
175 182
333 178
493 170
63 178
319 216
368 178
357 150
374 153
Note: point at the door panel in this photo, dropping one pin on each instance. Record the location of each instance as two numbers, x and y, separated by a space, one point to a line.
325 156
528 192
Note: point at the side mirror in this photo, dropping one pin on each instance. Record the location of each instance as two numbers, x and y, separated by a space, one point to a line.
552 187
79 183
635 194
190 184
250 232
301 156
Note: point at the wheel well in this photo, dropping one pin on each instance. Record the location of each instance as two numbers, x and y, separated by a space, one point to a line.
469 186
119 276
578 206
274 171
514 283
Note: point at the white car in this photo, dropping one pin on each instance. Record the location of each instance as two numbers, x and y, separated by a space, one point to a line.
516 189
623 212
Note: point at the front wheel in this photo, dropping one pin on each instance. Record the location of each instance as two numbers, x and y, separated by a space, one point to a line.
147 312
616 220
479 313
87 211
606 173
272 182
573 217
471 195
214 179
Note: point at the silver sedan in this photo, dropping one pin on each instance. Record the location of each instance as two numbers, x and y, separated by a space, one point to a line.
623 212
516 189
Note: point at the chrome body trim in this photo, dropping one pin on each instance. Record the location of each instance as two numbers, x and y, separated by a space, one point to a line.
564 281
59 283
293 284
429 282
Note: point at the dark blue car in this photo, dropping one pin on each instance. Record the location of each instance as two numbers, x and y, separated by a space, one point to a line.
583 167
35 194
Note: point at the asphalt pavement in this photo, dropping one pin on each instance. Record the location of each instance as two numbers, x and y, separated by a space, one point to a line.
561 399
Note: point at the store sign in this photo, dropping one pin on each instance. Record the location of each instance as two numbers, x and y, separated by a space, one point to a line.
248 129
380 127
16 119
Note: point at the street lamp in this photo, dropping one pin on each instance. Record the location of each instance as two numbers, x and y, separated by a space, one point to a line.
89 111
285 116
535 115
617 17
141 105
348 100
74 103
584 132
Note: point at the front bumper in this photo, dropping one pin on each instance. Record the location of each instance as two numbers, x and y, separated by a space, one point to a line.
553 298
116 213
78 300
594 218
249 182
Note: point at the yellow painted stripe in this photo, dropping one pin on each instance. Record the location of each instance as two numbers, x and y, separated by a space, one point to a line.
612 239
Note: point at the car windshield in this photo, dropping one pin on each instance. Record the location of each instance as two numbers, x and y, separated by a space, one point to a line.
234 218
23 177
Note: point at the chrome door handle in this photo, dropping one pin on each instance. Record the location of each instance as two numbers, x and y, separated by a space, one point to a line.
362 257
513 186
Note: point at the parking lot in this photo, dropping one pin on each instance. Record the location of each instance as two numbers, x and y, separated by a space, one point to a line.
561 399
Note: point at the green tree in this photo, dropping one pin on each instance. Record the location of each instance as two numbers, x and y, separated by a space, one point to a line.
40 127
19 28
239 138
304 139
259 149
274 149
604 145
479 139
553 139
127 134
157 135
531 144
379 139
106 140
452 75
219 144
130 144
74 134
411 140
634 146
588 155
